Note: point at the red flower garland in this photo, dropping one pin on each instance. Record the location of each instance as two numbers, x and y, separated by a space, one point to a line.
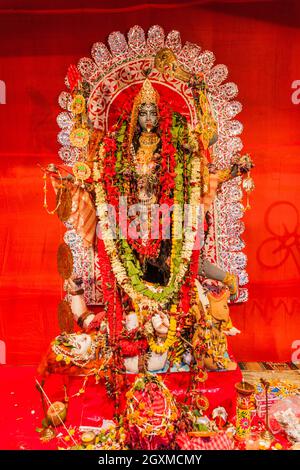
149 248
110 294
131 348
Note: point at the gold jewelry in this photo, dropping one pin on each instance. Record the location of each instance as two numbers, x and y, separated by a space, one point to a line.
148 143
230 280
147 94
79 137
81 171
78 104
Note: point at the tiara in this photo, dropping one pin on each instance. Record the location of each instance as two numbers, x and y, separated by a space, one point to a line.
147 94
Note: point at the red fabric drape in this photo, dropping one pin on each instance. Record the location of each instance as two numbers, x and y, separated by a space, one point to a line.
260 44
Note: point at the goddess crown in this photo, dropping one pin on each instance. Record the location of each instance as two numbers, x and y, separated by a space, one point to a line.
147 94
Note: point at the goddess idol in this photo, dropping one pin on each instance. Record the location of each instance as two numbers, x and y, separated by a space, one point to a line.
150 194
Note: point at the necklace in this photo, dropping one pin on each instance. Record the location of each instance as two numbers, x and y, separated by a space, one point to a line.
143 159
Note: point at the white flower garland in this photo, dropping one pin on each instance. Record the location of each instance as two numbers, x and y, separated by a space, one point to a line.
190 233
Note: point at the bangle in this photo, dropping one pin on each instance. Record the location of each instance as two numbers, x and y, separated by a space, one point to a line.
230 280
77 292
83 317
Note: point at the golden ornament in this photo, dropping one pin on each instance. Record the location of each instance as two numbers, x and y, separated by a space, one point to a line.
202 402
79 137
165 62
81 171
78 104
147 94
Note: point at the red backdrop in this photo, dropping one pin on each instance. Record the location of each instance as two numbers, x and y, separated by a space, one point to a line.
260 44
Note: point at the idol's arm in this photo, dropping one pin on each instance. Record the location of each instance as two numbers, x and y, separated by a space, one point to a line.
242 165
81 314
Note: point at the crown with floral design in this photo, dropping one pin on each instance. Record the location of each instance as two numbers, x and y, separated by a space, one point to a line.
147 94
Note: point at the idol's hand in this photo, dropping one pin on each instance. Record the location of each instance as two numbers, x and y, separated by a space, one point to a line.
74 286
231 281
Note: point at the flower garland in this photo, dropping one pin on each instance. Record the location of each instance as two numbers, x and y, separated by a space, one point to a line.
111 295
118 167
169 341
132 343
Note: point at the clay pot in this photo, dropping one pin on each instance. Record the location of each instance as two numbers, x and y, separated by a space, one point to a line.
57 413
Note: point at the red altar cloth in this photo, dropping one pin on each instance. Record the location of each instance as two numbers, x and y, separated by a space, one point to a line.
21 410
87 408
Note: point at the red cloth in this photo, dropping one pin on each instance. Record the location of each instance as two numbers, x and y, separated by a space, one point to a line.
220 441
260 44
21 410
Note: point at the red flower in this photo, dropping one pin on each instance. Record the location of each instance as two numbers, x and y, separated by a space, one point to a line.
109 144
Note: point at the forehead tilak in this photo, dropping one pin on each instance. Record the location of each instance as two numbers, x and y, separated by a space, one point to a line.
148 107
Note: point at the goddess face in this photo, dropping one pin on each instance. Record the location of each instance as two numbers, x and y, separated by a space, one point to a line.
148 117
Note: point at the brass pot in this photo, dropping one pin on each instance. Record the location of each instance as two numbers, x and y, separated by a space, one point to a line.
88 438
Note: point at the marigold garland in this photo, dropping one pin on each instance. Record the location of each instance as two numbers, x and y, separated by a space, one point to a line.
169 341
129 278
